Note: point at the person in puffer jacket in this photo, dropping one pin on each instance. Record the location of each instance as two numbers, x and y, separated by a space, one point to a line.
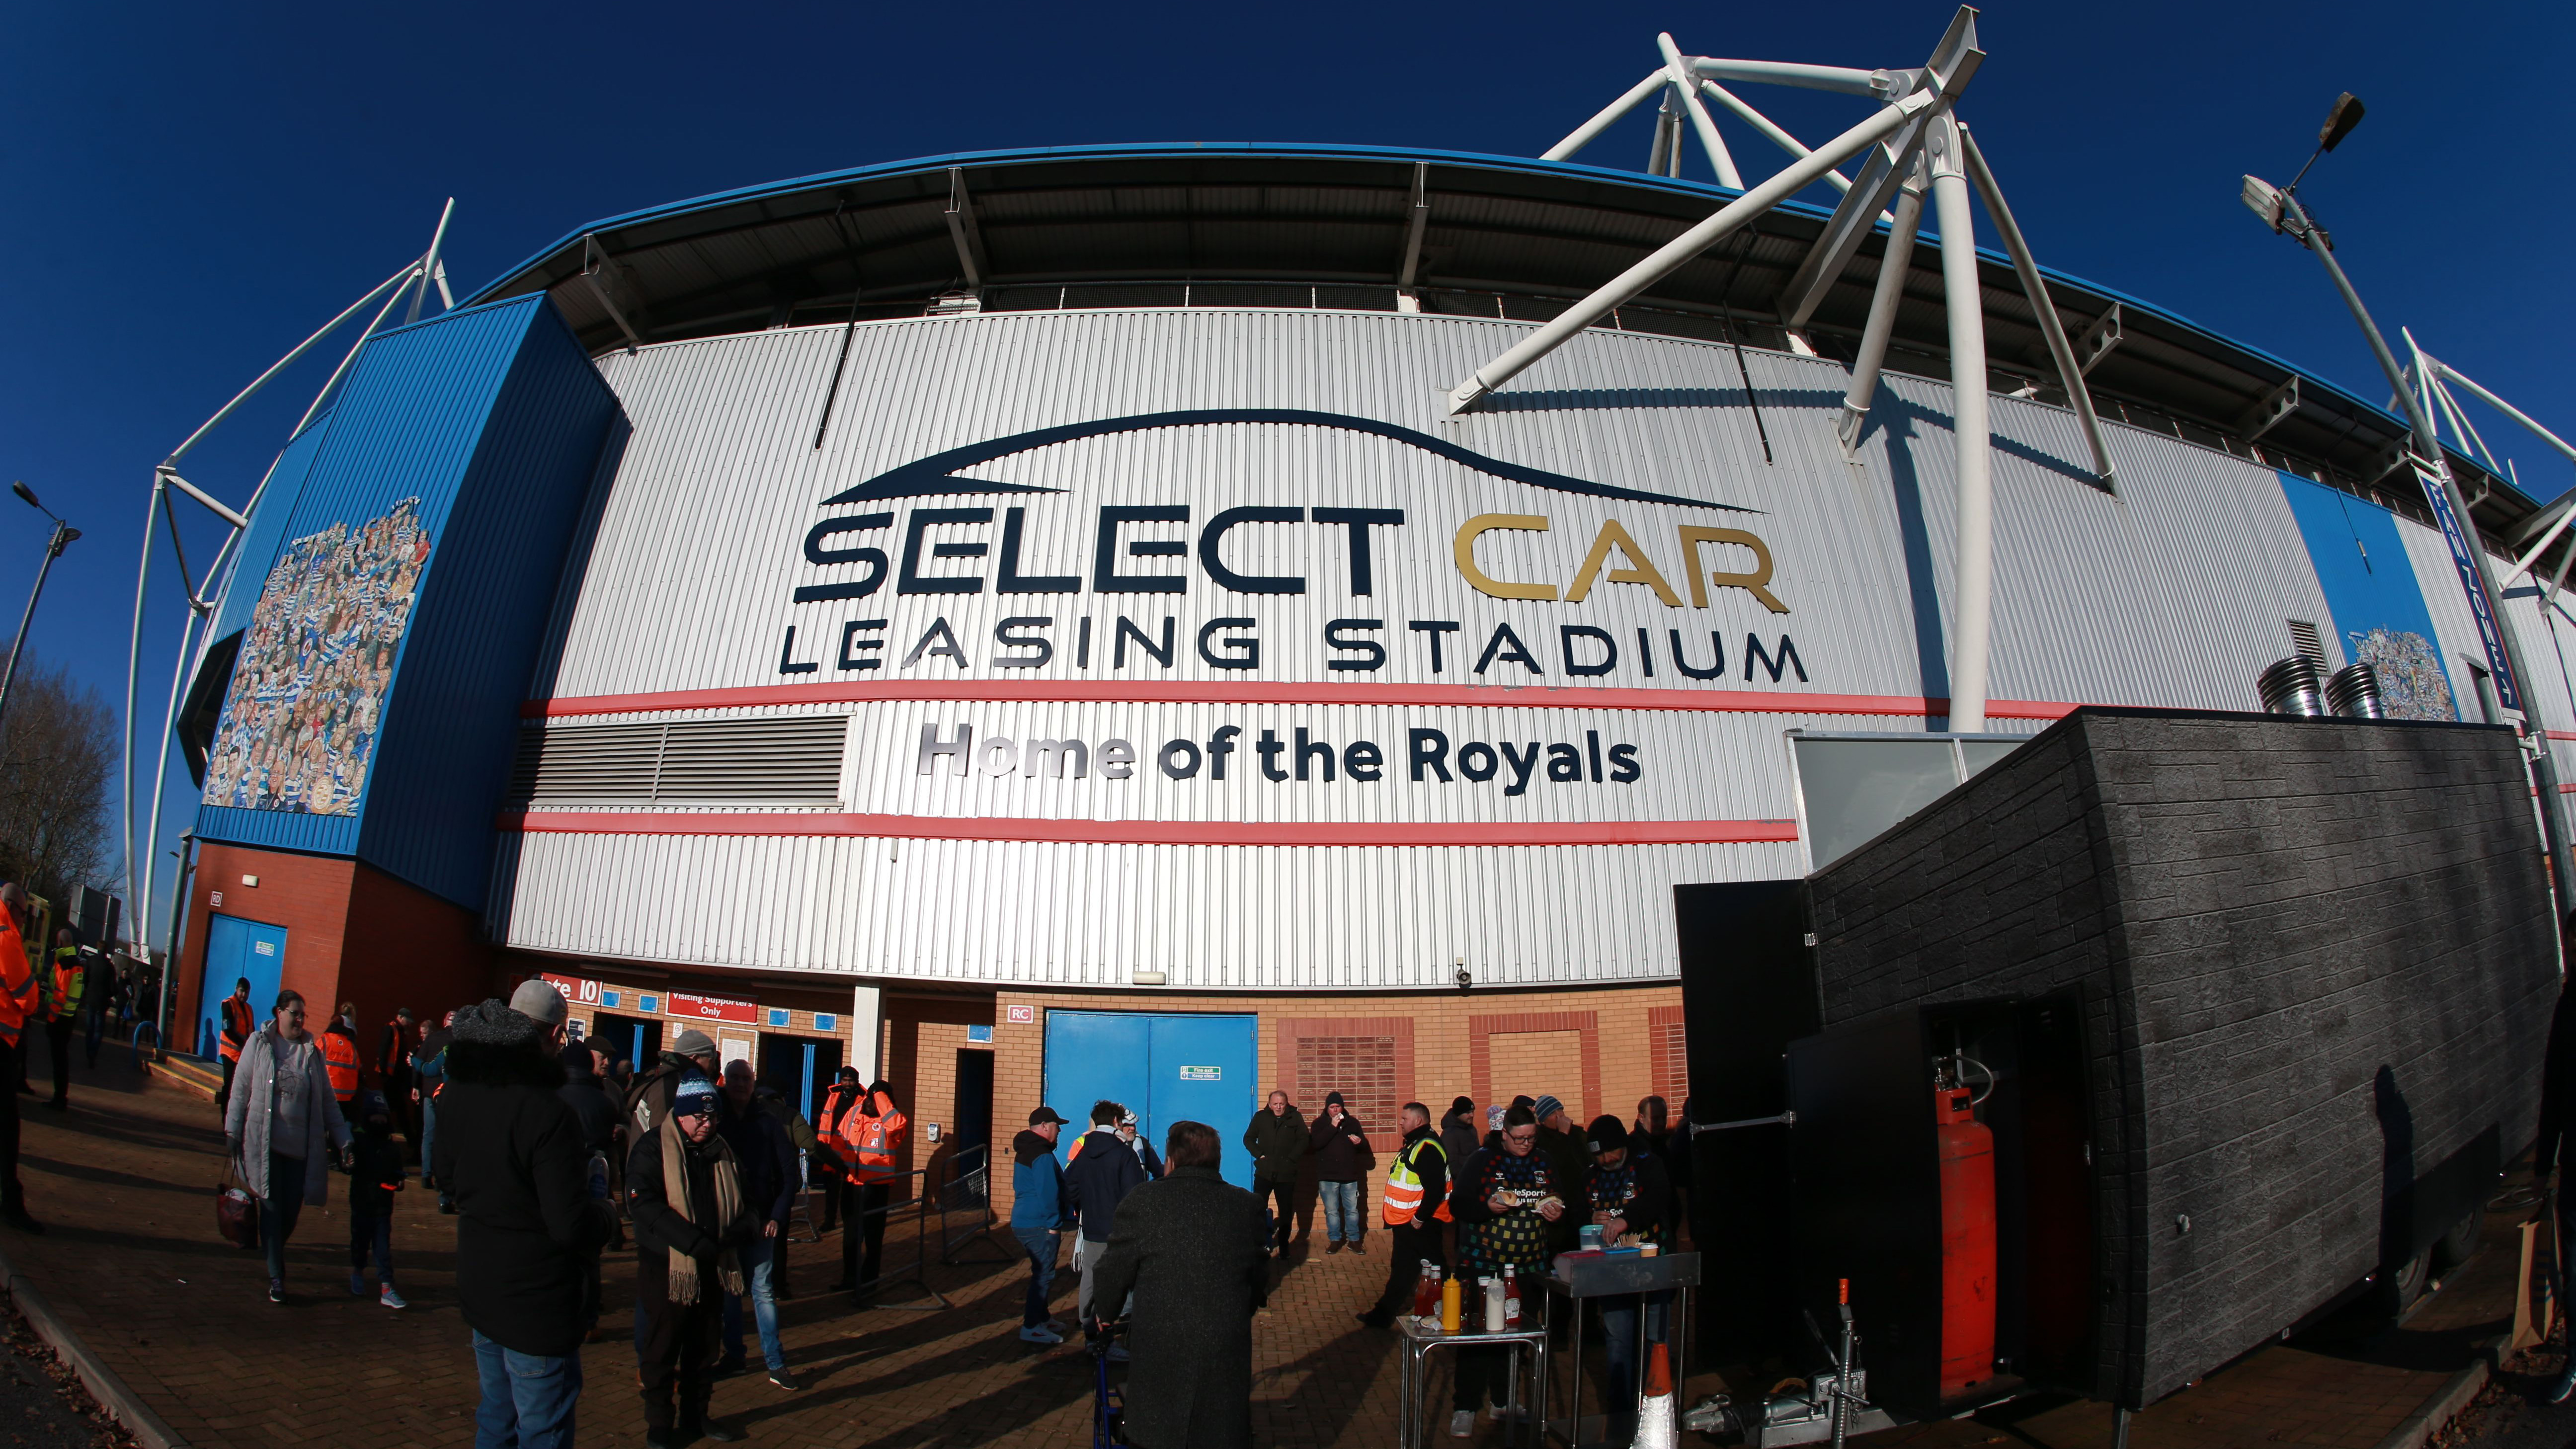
1102 1174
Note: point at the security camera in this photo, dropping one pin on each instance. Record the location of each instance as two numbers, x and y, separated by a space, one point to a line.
1465 980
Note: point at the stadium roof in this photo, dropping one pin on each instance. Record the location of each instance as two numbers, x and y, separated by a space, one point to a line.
1259 224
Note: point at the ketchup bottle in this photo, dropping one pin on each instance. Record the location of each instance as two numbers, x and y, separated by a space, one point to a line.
1511 1298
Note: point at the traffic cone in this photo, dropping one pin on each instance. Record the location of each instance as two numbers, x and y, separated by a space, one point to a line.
1655 1426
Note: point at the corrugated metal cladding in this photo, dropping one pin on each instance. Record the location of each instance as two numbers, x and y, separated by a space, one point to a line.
1614 464
482 430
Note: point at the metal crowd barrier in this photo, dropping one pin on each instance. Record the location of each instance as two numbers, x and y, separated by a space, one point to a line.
968 1195
916 1271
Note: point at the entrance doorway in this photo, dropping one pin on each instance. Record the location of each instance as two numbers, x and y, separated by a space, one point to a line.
974 1126
1165 1068
800 1067
636 1038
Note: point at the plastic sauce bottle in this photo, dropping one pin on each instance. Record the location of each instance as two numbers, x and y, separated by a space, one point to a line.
1493 1305
1511 1298
1426 1293
1450 1294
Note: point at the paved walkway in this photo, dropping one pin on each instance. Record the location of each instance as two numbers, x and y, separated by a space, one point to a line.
132 1263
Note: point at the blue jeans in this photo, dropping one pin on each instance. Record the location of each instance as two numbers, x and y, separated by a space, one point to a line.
756 1268
528 1401
376 1233
429 1144
1341 1201
1042 1246
279 1210
1619 1342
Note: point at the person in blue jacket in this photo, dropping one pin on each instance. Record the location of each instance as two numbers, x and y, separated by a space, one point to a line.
1040 1212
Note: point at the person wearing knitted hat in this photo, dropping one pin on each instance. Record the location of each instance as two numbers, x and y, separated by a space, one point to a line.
690 1053
693 1223
528 1230
1630 1197
1560 1141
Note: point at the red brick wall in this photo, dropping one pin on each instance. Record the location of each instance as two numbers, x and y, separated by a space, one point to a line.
353 933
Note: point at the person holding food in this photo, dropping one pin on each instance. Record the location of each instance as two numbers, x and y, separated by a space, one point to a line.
1507 1199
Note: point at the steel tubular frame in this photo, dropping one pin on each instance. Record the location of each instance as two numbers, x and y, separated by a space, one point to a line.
166 479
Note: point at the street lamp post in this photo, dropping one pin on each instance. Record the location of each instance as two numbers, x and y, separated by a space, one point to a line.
64 533
2280 209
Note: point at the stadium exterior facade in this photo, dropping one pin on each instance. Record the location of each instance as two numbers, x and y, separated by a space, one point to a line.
1025 624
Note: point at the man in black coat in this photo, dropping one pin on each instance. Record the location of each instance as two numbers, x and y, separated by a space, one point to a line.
768 1164
1103 1172
1194 1250
693 1227
528 1229
2557 1127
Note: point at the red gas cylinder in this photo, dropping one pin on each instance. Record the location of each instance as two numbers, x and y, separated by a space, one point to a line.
1967 1243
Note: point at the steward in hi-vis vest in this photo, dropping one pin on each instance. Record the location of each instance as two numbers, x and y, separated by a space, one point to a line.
1418 1176
17 1001
339 1044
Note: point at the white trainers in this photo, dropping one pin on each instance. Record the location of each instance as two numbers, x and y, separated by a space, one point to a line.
1462 1423
1040 1333
391 1299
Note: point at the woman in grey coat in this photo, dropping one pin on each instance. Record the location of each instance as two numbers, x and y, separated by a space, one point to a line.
281 1127
1194 1250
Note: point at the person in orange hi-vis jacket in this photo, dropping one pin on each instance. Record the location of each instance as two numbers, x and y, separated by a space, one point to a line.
17 1003
870 1132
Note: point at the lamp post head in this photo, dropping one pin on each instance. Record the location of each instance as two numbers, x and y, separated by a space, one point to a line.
2347 113
23 491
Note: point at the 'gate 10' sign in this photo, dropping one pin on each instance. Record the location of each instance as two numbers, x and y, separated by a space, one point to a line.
574 989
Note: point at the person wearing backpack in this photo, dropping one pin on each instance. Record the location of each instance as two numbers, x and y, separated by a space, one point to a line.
1416 1207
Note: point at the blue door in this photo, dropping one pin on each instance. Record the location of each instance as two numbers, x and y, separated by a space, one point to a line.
236 948
1165 1068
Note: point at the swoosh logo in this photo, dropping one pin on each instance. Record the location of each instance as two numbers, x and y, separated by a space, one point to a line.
940 473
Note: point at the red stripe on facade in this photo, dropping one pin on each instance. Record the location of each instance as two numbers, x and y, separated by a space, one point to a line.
1104 691
2560 734
1151 832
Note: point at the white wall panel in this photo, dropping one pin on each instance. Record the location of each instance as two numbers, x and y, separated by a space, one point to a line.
2175 592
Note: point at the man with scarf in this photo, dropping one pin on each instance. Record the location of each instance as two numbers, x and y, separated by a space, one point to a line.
692 1225
1507 1199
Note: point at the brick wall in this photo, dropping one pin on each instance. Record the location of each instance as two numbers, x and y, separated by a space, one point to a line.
2307 953
1446 1047
353 933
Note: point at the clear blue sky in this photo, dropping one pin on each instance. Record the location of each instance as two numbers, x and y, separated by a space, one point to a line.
192 189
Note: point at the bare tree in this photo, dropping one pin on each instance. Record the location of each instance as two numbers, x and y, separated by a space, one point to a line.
57 754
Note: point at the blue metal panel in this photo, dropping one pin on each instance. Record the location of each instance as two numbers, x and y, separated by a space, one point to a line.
238 948
1164 1068
268 524
2370 584
454 721
1201 1071
1093 1056
427 530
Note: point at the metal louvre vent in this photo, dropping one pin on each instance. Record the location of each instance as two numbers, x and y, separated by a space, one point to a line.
2304 640
768 761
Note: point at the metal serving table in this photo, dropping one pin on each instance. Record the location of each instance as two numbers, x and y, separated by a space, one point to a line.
1414 1382
1612 1276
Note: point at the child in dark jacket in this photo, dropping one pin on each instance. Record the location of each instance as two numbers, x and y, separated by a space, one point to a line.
375 1175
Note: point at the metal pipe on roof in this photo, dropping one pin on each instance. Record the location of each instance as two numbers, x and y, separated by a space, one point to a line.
1883 302
1682 87
1971 634
1590 131
1669 257
283 363
2453 374
1841 78
2070 374
429 264
1770 130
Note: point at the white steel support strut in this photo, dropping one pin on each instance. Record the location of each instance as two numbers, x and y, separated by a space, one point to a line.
2070 375
429 264
1672 254
1685 86
1590 131
136 871
1770 130
1971 637
1890 294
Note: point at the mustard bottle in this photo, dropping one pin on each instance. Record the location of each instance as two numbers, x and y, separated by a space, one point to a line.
1450 1302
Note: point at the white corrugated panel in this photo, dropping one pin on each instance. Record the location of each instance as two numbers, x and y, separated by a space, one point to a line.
2173 593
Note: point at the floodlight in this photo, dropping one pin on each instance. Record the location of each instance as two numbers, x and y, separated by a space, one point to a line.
2264 200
